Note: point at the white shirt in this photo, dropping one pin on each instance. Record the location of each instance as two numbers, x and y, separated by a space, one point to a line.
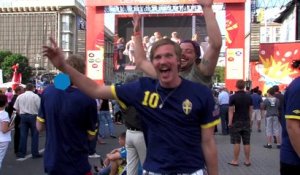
223 98
4 137
28 103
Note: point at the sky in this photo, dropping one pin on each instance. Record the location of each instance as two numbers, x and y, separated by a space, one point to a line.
271 3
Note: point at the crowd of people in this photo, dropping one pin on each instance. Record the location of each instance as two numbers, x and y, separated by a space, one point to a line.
125 50
170 115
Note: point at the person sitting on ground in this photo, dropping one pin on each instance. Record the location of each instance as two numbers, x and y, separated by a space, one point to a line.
115 159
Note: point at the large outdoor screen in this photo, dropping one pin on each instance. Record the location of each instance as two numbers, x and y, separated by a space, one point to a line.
163 24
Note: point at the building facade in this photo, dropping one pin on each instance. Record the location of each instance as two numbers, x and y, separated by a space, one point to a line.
279 47
26 26
270 32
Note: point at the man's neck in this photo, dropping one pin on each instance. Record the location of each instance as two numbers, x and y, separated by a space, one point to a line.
187 68
173 84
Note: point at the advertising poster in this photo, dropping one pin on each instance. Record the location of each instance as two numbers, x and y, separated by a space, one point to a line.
234 63
95 64
274 66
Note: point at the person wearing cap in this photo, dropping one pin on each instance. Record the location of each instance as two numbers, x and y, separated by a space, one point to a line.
202 72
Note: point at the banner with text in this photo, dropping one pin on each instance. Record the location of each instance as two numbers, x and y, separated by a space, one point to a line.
150 2
234 59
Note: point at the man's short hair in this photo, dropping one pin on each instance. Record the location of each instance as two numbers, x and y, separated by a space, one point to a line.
271 91
195 45
9 89
77 62
18 89
255 90
240 84
122 135
3 100
29 87
162 42
276 88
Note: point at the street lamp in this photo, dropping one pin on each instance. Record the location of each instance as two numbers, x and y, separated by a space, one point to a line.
37 65
36 73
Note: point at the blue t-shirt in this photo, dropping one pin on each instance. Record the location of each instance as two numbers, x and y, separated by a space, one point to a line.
123 152
256 100
69 116
173 132
291 111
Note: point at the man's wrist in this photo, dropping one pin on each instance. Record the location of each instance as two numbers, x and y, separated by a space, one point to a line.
65 68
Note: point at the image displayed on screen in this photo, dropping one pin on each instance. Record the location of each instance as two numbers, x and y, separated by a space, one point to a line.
154 28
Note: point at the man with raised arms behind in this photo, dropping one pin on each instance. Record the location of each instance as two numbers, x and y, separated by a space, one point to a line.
189 69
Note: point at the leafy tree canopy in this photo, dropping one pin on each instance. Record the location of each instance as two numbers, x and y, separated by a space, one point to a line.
4 54
219 74
24 67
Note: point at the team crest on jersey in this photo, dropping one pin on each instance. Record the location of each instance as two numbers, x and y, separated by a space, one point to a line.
297 111
187 106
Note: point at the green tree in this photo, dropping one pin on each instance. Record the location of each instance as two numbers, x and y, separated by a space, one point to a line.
3 55
24 67
219 75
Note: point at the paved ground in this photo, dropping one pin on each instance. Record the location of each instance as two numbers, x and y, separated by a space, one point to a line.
264 161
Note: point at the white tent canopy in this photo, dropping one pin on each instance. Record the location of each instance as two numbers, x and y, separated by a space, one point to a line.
9 84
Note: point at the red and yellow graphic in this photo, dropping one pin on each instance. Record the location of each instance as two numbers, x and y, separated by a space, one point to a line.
235 44
274 66
231 28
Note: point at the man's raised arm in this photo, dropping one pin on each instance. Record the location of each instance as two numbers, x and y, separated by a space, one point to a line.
88 86
211 54
139 53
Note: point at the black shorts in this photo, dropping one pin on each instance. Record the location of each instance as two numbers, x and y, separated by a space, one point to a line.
240 131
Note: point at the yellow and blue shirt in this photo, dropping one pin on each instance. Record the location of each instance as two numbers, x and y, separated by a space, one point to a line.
291 111
173 131
69 117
